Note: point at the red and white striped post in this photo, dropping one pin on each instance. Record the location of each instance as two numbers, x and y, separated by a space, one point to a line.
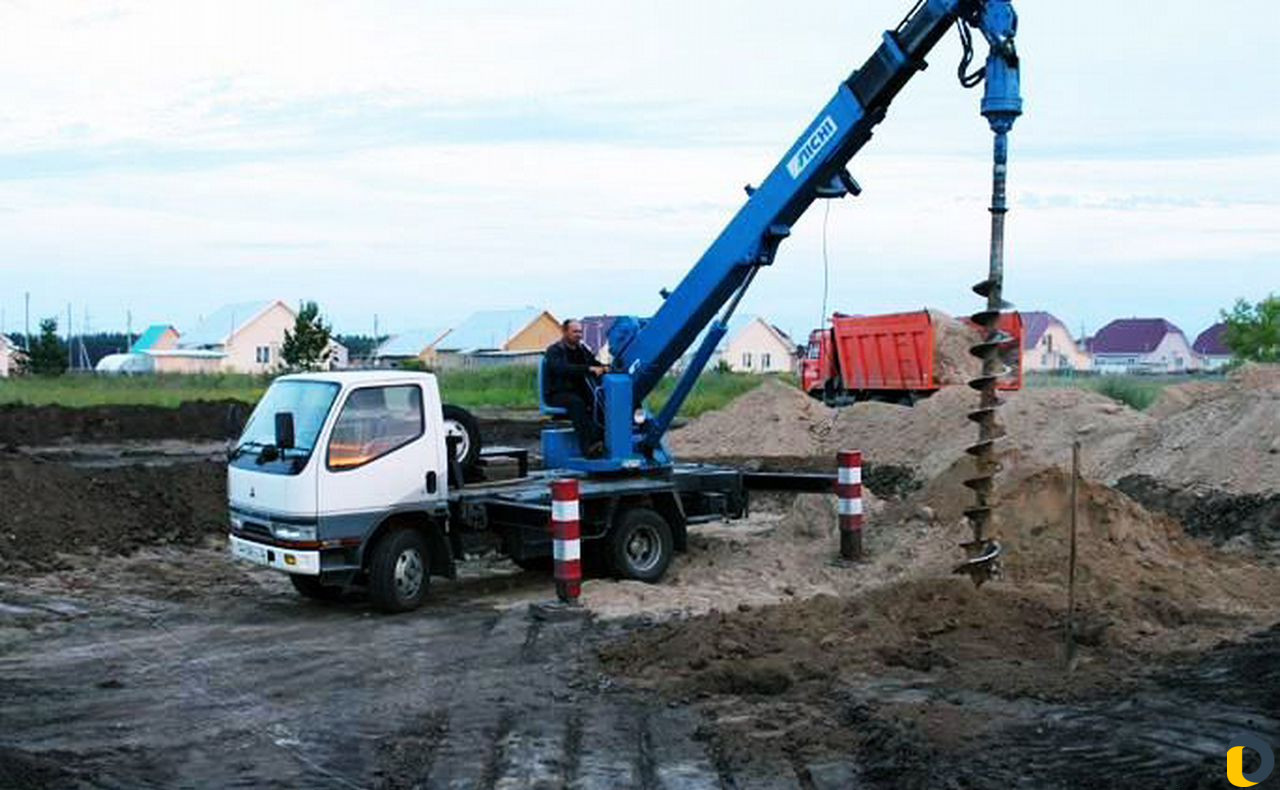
849 491
566 539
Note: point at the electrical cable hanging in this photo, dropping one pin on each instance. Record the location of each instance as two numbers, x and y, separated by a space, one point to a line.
826 266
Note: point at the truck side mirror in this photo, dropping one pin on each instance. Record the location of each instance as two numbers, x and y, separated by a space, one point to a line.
284 430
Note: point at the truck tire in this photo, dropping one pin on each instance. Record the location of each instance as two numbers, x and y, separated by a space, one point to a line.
461 423
640 545
399 571
540 564
310 587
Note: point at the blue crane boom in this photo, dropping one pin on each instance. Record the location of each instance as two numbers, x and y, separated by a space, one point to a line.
814 168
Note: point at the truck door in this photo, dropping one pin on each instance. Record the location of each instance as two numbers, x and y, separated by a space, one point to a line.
378 456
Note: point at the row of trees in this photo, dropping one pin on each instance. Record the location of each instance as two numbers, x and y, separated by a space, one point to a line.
1253 330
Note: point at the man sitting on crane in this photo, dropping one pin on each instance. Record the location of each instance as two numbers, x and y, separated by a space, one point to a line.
571 373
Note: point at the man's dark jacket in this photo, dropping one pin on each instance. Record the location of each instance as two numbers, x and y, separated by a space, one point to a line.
566 370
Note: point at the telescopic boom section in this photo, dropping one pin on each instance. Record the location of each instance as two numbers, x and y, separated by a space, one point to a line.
813 168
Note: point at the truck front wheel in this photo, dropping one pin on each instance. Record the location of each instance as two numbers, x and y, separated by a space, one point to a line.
398 571
640 545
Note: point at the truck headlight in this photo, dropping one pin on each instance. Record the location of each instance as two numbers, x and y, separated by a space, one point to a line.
293 532
237 523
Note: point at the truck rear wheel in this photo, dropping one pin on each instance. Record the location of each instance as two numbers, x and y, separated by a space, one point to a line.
310 587
398 571
640 545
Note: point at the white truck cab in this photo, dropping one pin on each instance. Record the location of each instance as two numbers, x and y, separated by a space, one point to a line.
325 461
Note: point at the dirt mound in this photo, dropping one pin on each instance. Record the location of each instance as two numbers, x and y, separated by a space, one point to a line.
778 420
769 558
1256 376
993 640
50 509
1041 424
1252 520
1137 570
952 362
34 425
772 419
1227 436
804 668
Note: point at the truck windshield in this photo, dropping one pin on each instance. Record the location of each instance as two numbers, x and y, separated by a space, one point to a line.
308 401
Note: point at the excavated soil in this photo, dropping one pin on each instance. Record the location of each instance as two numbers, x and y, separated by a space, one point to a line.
38 425
1225 435
777 420
1247 521
51 510
901 661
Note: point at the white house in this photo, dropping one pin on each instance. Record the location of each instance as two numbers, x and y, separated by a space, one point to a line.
1141 345
757 346
1047 344
10 356
1211 346
238 338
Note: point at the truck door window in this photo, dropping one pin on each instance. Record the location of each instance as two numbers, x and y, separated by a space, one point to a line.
375 421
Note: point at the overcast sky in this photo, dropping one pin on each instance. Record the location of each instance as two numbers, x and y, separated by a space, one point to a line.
421 160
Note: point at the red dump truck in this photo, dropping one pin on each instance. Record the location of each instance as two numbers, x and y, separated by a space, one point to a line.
899 357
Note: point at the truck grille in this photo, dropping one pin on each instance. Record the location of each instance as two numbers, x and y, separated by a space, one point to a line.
256 530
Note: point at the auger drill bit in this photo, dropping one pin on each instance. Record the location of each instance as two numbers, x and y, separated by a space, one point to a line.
1001 106
983 551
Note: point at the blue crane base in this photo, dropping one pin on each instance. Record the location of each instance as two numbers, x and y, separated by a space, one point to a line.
623 437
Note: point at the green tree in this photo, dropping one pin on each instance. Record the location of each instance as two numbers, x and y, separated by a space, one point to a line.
48 352
1253 330
307 346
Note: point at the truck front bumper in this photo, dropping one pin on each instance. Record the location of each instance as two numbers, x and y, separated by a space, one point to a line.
299 561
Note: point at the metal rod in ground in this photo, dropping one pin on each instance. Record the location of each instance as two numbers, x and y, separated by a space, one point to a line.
1071 562
849 492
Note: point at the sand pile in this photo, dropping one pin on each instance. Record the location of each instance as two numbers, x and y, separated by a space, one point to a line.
769 558
1041 425
1224 435
1141 586
1255 376
952 362
1137 570
775 419
771 420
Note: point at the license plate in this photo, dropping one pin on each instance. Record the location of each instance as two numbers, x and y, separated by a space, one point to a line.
250 552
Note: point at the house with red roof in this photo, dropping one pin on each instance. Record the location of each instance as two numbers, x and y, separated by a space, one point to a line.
1211 346
1047 344
1142 345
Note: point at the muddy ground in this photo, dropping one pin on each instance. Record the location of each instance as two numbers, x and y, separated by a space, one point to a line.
133 653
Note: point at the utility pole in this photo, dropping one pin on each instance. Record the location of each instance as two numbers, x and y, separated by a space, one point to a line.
128 329
26 324
374 354
70 359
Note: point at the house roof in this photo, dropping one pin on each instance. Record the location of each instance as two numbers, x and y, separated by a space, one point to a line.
738 324
410 343
1131 336
595 330
1213 341
224 322
488 330
1034 324
149 338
